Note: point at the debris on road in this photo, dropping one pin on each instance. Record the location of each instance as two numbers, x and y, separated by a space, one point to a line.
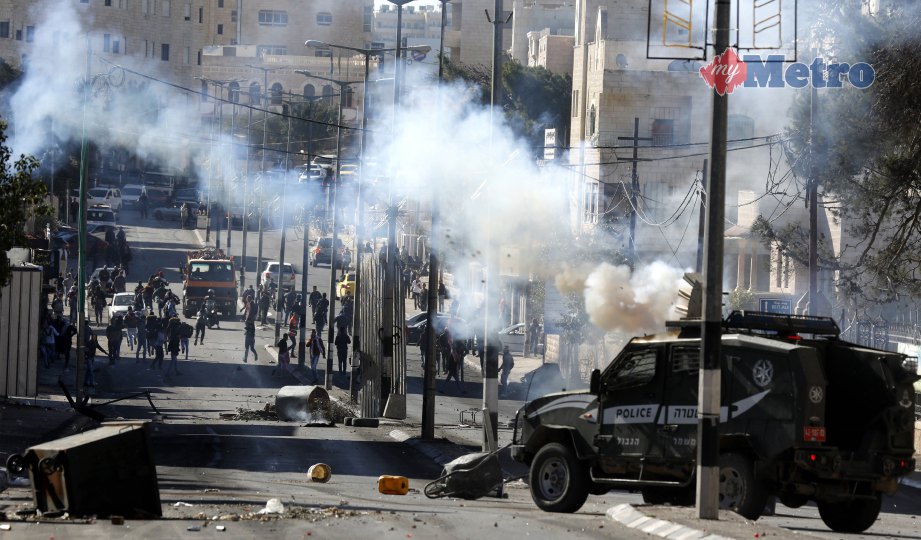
320 472
180 503
273 506
393 485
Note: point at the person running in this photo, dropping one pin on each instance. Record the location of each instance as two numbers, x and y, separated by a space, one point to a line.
316 349
131 327
141 339
284 352
342 348
200 326
249 341
90 346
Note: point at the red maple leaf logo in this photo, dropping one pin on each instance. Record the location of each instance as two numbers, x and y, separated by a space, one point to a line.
725 72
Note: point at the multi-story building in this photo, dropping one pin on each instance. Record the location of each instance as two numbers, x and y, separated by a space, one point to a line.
550 51
555 18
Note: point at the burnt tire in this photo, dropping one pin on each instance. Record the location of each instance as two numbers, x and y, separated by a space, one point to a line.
740 491
558 480
854 516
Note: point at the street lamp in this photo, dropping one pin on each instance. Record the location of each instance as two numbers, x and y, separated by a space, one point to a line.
332 260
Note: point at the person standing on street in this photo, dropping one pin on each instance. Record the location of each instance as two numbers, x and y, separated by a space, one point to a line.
142 204
114 338
342 348
316 348
284 352
173 336
319 315
532 333
265 299
249 341
90 346
141 339
508 362
313 300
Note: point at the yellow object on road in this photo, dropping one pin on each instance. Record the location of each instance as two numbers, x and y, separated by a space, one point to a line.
321 472
393 485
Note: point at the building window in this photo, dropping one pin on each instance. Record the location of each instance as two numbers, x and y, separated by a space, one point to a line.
145 6
116 46
233 91
254 91
164 8
220 3
663 132
220 29
4 29
30 34
273 18
19 35
590 203
107 43
276 94
279 50
199 57
368 18
84 1
186 55
575 103
233 16
164 52
108 3
309 91
201 15
324 18
187 12
328 94
349 93
323 52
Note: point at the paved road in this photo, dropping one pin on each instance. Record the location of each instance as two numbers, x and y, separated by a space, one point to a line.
226 467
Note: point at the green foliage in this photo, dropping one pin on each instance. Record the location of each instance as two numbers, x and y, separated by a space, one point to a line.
8 73
23 197
866 153
533 98
314 122
740 298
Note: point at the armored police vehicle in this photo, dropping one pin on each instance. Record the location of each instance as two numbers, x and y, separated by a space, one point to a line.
805 417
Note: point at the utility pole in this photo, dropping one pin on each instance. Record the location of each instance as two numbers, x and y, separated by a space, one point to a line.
490 349
305 255
634 187
428 368
81 240
708 406
702 221
812 193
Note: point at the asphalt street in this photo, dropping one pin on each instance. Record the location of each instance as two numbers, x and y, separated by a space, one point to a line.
219 460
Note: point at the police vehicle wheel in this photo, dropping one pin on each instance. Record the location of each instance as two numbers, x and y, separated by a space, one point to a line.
740 491
558 480
853 516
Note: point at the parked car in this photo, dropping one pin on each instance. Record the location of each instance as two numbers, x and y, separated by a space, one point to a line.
102 230
192 196
459 328
68 240
513 337
131 193
323 254
170 212
111 197
311 173
101 215
120 303
346 285
271 272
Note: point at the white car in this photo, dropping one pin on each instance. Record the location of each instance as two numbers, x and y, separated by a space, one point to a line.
101 215
131 193
513 337
271 272
111 197
120 303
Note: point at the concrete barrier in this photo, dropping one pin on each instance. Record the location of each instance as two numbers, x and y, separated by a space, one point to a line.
303 403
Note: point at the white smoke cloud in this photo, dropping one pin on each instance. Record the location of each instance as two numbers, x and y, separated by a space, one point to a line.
618 301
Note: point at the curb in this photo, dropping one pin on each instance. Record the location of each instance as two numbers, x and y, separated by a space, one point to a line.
630 517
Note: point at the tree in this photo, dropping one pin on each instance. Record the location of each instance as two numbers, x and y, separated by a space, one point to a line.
867 152
533 98
23 197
